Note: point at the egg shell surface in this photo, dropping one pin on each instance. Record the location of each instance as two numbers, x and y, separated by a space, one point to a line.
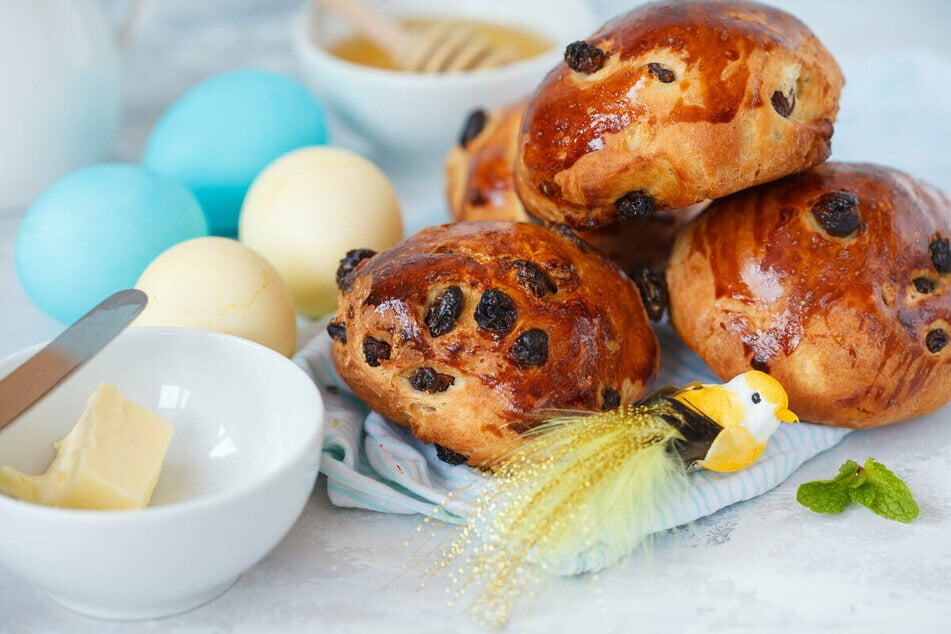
219 284
311 206
95 230
221 133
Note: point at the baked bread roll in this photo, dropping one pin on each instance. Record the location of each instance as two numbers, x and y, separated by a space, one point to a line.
480 185
674 103
464 331
478 170
835 281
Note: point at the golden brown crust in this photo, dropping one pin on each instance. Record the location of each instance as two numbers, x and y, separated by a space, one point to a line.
853 322
694 101
478 169
480 185
470 381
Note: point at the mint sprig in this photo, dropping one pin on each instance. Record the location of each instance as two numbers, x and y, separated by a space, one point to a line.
872 485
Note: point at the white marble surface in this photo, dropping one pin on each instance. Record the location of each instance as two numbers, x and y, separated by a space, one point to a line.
762 566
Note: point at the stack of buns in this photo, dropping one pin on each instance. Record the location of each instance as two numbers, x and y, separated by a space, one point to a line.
580 208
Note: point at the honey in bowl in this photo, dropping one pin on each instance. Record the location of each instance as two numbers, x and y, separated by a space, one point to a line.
520 43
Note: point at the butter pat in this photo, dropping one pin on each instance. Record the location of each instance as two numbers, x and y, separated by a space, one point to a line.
110 460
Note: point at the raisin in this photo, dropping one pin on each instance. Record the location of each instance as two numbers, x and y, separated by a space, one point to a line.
924 285
610 398
782 104
349 263
428 380
443 313
337 331
476 198
581 57
532 276
760 362
549 189
449 456
496 311
567 232
936 339
662 73
940 254
653 290
633 205
475 123
837 213
375 351
530 348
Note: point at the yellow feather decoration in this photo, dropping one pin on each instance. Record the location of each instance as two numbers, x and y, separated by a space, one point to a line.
582 492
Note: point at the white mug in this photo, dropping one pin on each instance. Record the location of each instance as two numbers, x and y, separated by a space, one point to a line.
59 93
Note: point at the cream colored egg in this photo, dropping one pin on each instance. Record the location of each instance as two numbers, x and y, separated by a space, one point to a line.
305 210
222 285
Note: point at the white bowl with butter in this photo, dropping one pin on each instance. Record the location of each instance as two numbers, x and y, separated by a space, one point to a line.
420 115
240 467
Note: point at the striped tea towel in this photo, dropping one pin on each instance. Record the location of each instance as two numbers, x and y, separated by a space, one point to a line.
372 463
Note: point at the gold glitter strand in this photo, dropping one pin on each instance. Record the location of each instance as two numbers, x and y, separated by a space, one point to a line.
583 486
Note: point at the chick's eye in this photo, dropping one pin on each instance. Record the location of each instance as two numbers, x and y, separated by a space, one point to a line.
756 397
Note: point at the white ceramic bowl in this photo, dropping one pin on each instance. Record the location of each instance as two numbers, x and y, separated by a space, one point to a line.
241 465
422 115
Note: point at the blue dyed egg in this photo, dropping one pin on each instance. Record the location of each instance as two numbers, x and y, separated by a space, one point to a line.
220 134
95 231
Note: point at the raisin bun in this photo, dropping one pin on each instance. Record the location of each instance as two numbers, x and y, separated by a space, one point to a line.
480 185
467 330
674 103
478 170
835 281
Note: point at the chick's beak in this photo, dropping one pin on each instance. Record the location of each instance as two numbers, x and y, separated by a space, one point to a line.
786 415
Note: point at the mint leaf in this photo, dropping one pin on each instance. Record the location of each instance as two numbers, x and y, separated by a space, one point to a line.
823 496
892 498
864 494
873 486
847 470
830 496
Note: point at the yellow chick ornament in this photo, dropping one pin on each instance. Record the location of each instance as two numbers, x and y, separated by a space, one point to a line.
586 489
748 409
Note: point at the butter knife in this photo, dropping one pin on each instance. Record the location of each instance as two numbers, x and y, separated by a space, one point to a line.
38 375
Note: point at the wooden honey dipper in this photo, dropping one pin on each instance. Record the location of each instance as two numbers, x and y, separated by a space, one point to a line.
440 46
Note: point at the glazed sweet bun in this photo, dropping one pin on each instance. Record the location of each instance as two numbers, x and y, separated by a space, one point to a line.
674 103
835 281
480 185
478 169
465 331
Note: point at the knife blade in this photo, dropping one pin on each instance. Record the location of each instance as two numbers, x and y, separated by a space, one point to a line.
38 375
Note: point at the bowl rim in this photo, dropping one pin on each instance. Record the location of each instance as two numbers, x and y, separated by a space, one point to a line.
306 47
299 459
